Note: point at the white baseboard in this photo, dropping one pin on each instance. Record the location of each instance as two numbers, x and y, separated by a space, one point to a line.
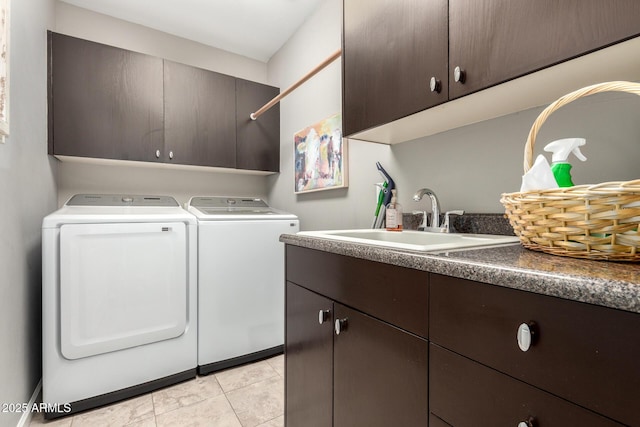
25 420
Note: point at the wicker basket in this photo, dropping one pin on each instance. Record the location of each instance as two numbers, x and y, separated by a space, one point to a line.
599 222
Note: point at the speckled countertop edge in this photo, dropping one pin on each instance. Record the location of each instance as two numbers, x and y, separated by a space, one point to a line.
608 284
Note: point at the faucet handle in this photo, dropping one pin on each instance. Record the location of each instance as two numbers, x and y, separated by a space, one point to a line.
446 225
423 222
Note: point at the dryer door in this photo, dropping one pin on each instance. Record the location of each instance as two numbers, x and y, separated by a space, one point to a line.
121 285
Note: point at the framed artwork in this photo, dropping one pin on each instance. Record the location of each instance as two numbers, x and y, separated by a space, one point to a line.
4 69
320 155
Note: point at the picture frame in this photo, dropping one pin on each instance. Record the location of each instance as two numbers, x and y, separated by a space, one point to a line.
4 69
320 156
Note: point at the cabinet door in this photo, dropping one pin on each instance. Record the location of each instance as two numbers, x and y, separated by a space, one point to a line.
104 102
308 359
258 141
467 394
497 40
380 373
200 126
391 49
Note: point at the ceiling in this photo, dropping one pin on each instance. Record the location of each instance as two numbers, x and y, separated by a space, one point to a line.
252 28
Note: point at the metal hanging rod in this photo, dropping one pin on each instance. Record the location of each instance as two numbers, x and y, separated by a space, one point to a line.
335 55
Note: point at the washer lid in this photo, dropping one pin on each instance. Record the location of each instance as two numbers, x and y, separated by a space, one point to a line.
234 208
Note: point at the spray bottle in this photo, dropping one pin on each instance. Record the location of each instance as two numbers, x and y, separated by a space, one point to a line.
559 161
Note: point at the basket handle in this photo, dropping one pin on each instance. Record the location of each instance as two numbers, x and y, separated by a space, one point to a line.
619 86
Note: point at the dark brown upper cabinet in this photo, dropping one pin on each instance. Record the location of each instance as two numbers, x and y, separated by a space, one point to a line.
258 141
401 57
392 51
104 102
199 125
493 41
110 103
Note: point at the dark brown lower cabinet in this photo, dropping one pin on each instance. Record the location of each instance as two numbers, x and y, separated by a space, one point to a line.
435 421
369 374
580 352
379 373
465 393
356 351
308 359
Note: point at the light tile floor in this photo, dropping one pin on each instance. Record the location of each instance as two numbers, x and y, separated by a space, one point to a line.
247 396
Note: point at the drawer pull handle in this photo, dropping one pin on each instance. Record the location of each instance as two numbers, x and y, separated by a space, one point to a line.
340 325
435 85
459 75
527 334
531 422
323 316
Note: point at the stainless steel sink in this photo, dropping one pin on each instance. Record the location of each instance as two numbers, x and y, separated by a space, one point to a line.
414 240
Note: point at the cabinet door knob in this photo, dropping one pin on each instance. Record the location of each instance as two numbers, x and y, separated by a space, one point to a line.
171 154
435 85
527 334
157 154
323 316
340 326
530 422
459 75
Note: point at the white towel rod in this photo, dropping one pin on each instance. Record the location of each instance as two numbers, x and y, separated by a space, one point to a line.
335 55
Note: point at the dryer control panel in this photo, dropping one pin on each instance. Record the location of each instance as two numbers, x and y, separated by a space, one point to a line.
121 200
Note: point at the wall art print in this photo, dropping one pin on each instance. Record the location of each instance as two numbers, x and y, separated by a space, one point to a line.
320 155
4 69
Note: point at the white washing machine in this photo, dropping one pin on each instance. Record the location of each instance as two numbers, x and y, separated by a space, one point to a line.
119 299
240 280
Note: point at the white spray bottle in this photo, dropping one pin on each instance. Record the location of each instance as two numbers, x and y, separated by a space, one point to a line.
560 166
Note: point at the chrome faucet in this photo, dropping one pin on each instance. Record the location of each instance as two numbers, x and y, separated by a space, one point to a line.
435 208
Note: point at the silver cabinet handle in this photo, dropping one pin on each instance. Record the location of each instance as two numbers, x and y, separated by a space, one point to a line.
340 326
527 335
459 75
435 85
323 316
157 154
171 154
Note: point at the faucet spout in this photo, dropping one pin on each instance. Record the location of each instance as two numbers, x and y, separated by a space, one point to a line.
435 207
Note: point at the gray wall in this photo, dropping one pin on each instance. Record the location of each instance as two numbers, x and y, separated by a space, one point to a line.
315 100
28 193
468 167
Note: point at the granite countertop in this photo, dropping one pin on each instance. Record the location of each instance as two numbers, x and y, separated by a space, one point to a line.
609 284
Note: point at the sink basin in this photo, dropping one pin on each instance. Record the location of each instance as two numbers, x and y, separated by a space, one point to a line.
414 240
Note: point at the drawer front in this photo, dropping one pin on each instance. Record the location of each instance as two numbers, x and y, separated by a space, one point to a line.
394 294
583 353
464 393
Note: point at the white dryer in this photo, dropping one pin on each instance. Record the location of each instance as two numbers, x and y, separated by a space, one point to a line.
240 280
119 297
